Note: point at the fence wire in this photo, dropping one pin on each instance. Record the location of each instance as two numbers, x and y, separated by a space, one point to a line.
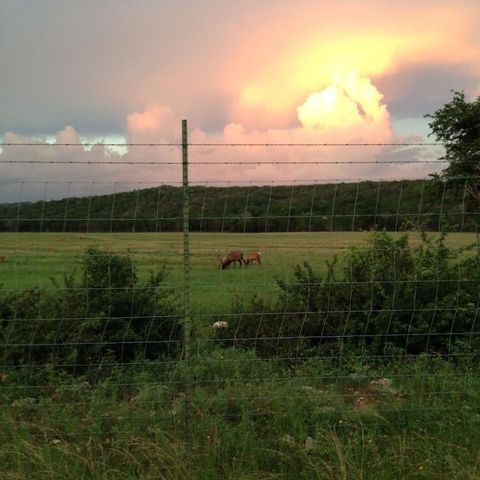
331 297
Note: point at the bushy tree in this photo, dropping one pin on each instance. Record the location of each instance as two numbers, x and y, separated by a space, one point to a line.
457 124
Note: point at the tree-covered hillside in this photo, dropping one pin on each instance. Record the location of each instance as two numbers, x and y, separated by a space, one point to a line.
390 205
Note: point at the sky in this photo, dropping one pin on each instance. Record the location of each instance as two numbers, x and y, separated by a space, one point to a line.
118 71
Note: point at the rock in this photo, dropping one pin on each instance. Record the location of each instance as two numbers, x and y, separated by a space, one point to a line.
307 389
383 385
308 444
24 402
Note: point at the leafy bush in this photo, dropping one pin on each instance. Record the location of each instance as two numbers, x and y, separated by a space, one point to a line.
387 299
109 317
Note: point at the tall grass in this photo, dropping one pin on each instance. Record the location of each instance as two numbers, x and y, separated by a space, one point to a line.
247 418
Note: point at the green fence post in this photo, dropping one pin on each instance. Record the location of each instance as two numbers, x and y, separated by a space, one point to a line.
186 270
186 252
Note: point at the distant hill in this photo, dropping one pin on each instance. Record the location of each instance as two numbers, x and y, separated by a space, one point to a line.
390 205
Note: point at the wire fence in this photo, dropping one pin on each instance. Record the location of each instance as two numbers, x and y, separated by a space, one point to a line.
136 306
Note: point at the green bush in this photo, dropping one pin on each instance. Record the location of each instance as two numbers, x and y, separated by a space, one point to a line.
387 299
108 318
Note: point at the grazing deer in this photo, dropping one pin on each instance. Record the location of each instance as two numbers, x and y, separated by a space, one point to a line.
232 257
252 257
2 258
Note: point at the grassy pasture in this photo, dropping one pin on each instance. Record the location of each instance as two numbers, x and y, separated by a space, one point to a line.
249 417
33 260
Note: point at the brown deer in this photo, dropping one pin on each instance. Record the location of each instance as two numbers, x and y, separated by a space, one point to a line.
2 258
252 257
232 257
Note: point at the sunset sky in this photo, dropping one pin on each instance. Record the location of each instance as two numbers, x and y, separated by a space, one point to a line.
250 71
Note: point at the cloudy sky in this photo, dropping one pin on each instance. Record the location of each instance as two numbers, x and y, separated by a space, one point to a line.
270 71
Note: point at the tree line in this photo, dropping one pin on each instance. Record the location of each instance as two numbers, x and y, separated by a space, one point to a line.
367 205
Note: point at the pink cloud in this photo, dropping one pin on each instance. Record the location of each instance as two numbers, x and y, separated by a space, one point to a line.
220 164
155 123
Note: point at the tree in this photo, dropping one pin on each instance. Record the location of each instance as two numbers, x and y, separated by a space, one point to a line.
457 124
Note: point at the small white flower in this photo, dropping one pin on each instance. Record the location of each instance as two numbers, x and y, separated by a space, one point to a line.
221 324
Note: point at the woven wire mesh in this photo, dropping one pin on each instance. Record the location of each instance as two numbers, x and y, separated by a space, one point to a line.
346 300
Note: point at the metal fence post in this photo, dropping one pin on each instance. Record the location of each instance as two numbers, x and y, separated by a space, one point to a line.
186 270
186 252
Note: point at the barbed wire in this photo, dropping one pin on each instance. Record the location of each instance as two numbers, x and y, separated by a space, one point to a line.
241 162
222 183
229 144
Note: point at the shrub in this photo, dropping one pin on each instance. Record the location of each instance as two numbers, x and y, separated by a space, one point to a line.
387 299
107 318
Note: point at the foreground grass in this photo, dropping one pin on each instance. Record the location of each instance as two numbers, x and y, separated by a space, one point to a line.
246 418
402 456
34 259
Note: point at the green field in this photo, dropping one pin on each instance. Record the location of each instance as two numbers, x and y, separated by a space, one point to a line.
34 259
